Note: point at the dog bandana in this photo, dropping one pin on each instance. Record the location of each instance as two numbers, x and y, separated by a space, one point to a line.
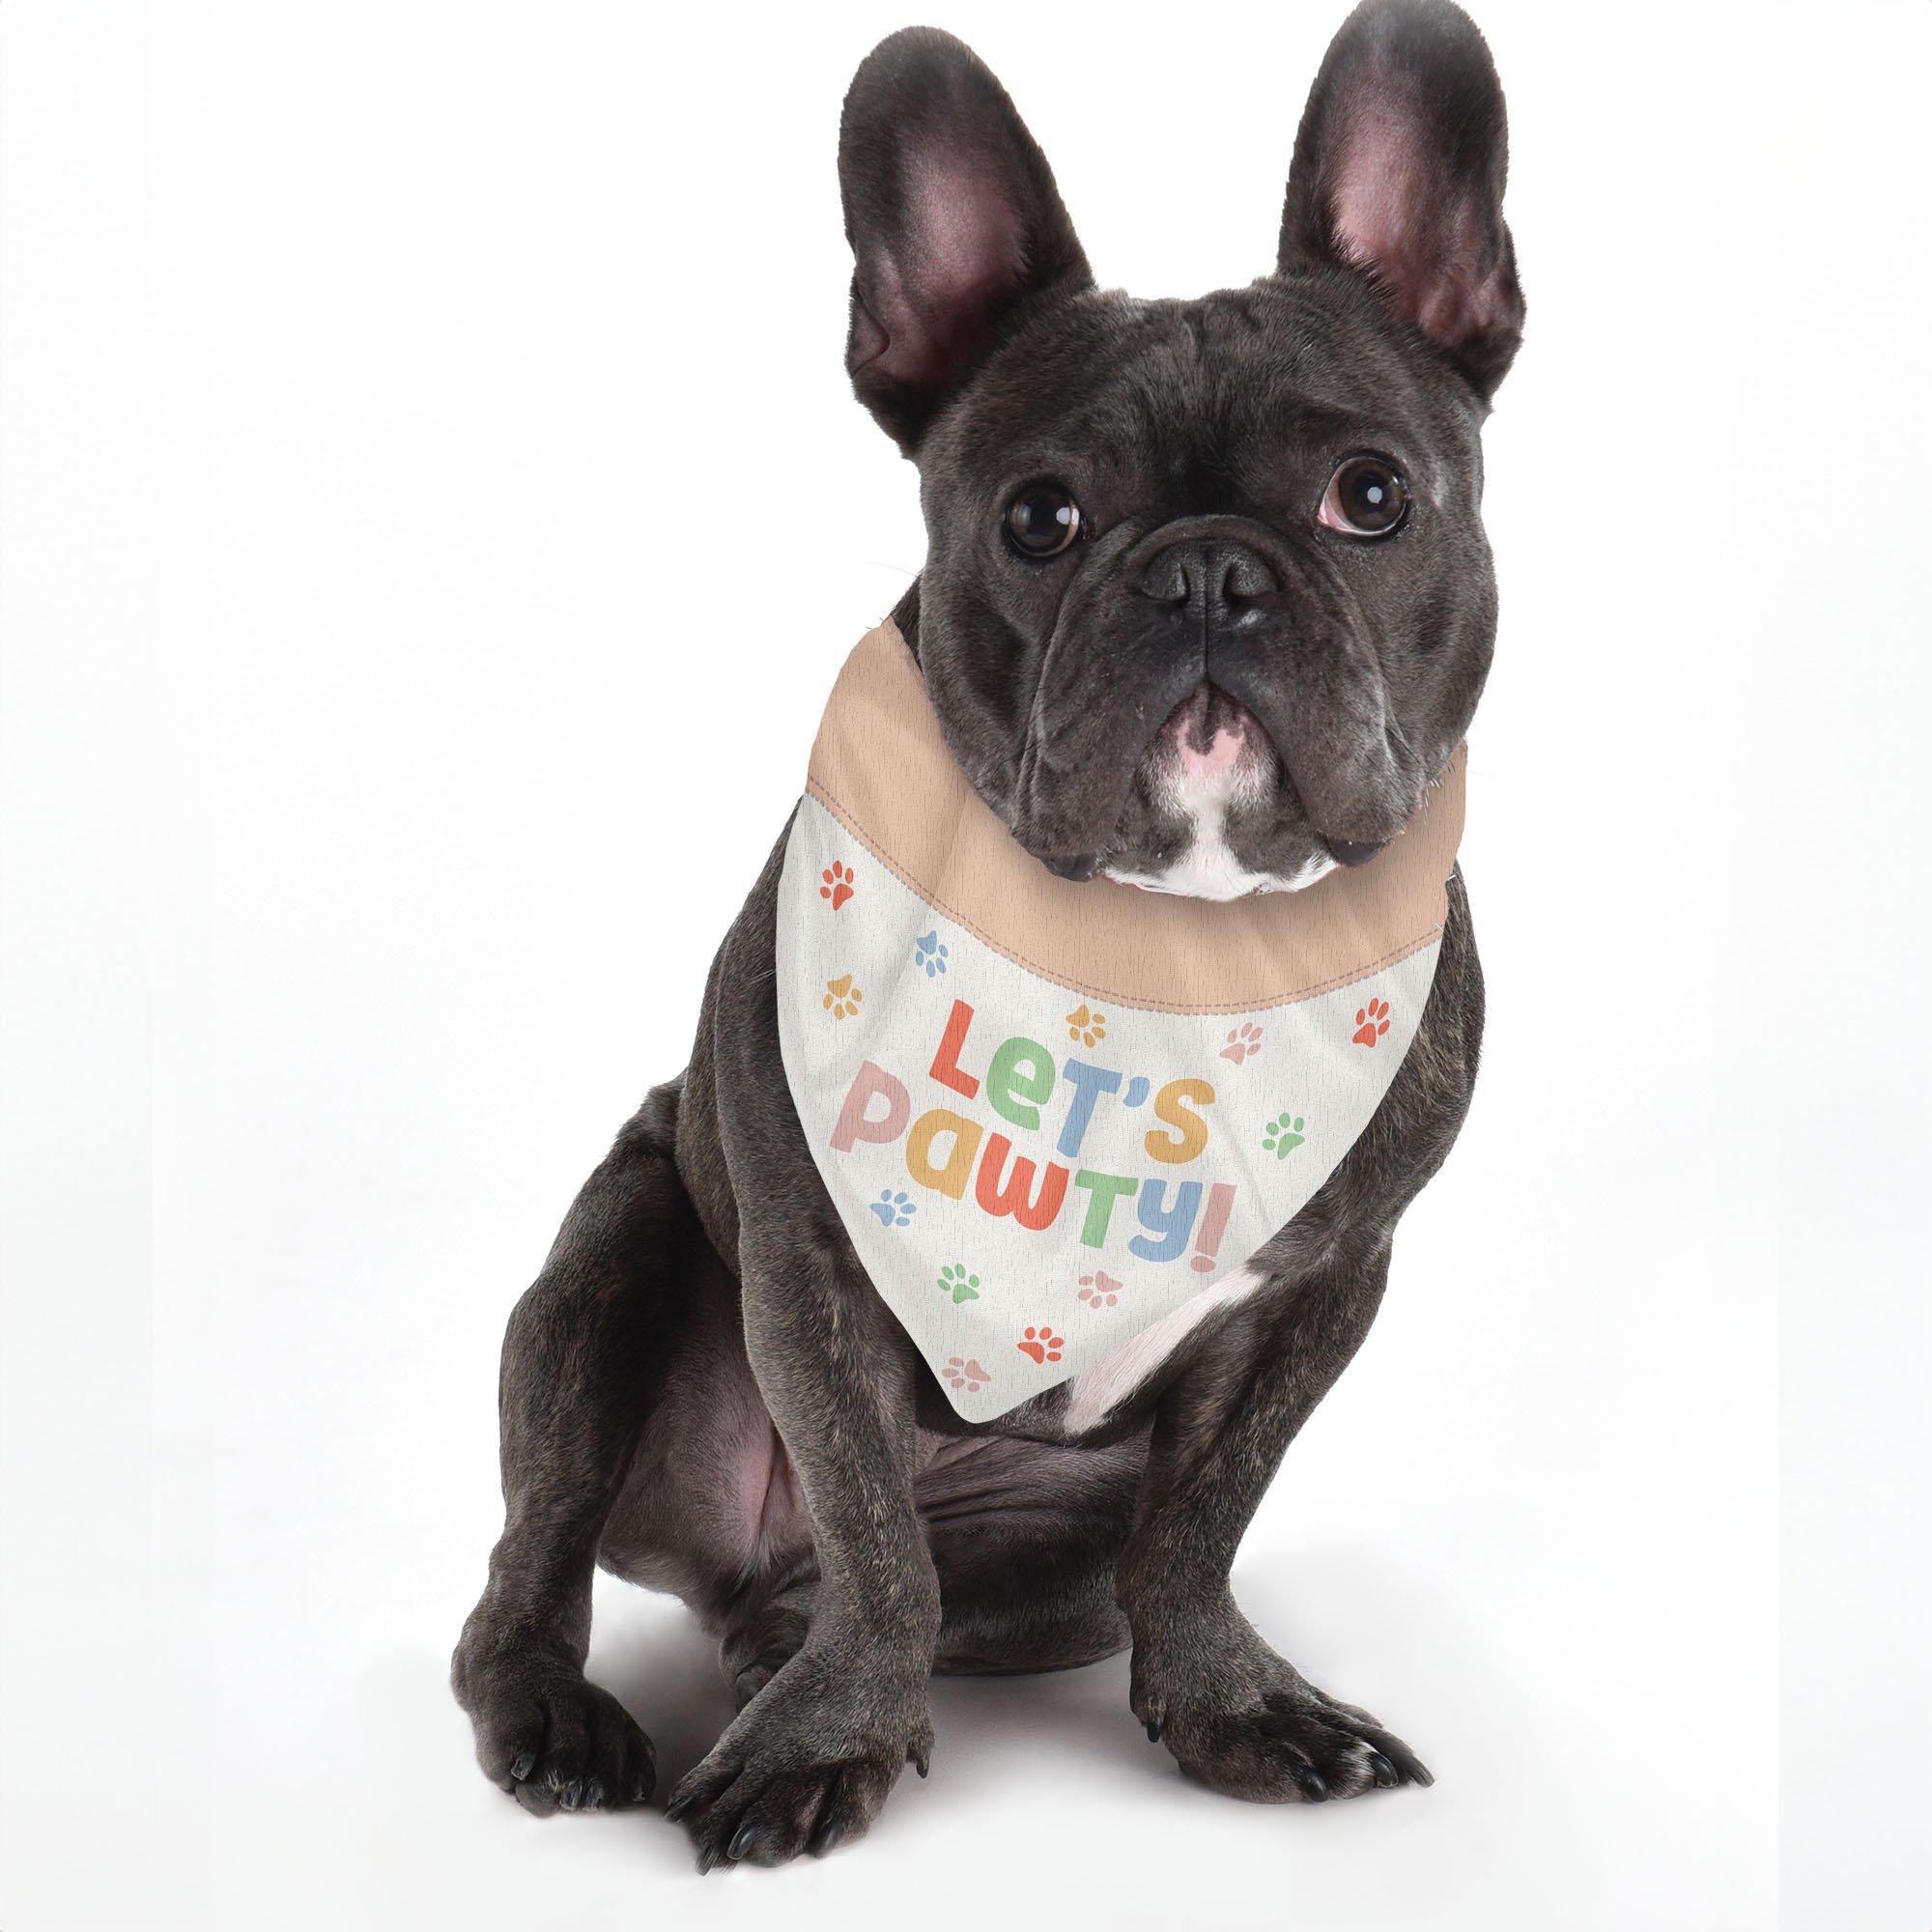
1051 1114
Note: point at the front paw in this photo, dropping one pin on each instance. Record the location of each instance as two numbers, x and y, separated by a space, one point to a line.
1240 1719
806 1764
546 1734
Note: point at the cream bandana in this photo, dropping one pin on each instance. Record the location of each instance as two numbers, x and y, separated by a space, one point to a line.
1049 1113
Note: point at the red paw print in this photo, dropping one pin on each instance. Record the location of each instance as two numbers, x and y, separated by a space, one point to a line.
838 886
1371 1022
1042 1343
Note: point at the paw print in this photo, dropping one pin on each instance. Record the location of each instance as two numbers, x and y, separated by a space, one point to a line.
1282 1134
963 1372
1243 1043
1099 1290
1085 1026
955 1281
893 1210
1371 1022
836 886
1042 1343
927 952
841 998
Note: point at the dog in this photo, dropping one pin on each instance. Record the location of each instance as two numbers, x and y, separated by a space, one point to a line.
1276 490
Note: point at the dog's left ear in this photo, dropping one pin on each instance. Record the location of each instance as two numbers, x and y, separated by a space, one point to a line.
1398 173
955 225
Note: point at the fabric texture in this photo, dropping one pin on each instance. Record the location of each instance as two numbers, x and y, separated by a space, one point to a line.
1051 1114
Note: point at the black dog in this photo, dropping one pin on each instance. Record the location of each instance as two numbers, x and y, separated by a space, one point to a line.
1150 522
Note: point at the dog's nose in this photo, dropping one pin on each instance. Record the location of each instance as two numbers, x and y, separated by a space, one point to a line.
1214 579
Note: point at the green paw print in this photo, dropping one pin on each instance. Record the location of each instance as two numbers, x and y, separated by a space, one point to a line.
1278 1136
959 1284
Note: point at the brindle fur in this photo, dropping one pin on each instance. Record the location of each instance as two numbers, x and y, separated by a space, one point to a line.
703 1392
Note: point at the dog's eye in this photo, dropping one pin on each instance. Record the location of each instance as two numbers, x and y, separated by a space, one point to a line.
1366 497
1043 520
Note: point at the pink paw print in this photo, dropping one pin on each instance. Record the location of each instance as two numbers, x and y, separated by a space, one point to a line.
1242 1043
964 1372
1099 1290
1371 1022
1042 1343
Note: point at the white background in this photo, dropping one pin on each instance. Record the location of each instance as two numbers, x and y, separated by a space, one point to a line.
433 516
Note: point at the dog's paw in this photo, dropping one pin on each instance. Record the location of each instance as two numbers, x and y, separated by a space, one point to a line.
809 1763
1286 1748
1249 1724
550 1738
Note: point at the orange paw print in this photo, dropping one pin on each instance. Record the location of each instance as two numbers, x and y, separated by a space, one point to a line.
841 998
1085 1026
1042 1343
838 886
1371 1022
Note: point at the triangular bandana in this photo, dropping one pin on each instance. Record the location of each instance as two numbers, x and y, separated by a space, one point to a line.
1049 1113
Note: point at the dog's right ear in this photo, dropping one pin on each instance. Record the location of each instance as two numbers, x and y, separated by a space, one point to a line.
955 225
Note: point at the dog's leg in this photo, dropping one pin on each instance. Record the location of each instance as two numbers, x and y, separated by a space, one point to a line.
1025 1537
756 1646
1235 1715
579 1362
1051 1607
810 1759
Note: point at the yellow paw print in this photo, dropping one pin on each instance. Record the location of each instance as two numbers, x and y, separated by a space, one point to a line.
1085 1026
841 997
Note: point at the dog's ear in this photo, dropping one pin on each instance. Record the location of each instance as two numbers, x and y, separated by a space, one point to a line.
1398 170
955 225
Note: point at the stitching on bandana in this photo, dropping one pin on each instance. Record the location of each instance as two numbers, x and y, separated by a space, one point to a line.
820 790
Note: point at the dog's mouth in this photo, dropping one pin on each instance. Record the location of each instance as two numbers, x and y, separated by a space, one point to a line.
1214 743
1213 812
1211 805
1210 753
1209 767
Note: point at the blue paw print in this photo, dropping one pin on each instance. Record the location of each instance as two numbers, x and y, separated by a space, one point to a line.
893 1210
927 952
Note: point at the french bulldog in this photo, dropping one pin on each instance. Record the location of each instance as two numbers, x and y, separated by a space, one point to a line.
1206 606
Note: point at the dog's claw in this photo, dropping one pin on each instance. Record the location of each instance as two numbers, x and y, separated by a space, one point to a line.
1384 1773
546 1736
804 1767
1313 1783
1154 1732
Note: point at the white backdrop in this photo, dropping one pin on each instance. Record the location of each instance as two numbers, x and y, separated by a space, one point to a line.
434 513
